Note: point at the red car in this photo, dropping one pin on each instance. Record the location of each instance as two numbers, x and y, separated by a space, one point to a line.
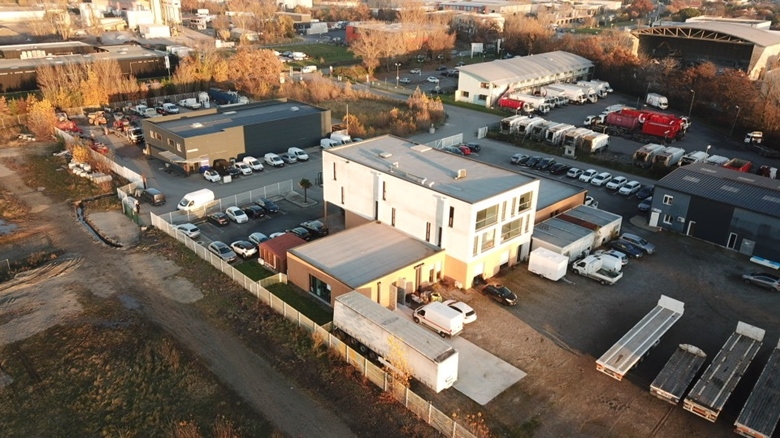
465 149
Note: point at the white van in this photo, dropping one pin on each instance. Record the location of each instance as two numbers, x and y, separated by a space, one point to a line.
273 160
440 318
327 143
298 153
308 69
195 200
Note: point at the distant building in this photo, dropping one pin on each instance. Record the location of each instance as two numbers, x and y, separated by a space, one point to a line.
488 7
471 22
413 35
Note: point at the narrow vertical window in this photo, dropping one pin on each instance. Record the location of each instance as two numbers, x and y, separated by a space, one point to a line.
384 191
334 172
427 231
452 216
392 218
342 195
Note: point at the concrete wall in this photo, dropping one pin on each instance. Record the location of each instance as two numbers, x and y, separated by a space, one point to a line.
563 205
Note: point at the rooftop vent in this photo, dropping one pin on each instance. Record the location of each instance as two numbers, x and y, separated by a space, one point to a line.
385 155
197 125
461 174
229 113
295 108
420 148
395 164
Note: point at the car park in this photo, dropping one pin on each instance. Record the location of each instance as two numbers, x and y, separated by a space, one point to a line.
617 182
469 315
465 149
288 158
301 232
405 81
627 248
212 175
601 179
519 158
630 188
244 248
646 204
645 192
574 172
273 160
190 230
545 163
219 219
769 281
433 79
643 244
254 211
237 215
501 294
588 175
415 71
533 161
258 238
316 228
254 163
243 168
223 251
268 205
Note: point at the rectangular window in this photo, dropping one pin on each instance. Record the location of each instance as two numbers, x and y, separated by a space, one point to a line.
334 171
392 217
503 211
668 219
475 250
487 217
482 97
527 222
319 288
484 85
514 201
488 240
525 202
376 210
465 94
178 147
384 191
668 200
427 231
438 238
170 142
452 216
511 230
342 195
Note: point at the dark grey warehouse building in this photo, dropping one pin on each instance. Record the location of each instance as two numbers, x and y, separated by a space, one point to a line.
740 211
193 140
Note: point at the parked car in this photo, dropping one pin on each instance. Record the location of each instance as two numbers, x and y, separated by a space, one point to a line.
316 228
243 168
501 294
277 234
452 150
465 149
630 188
268 205
617 182
212 175
258 238
243 248
533 161
237 215
591 202
643 244
545 163
415 71
441 68
475 147
405 81
519 158
254 211
219 219
223 251
460 64
574 172
274 160
627 248
301 232
646 204
614 253
769 281
601 179
287 158
645 192
189 230
588 175
433 79
469 315
233 171
254 163
559 169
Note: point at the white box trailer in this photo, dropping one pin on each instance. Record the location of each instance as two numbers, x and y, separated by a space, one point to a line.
636 344
377 331
554 135
525 126
678 374
548 264
510 124
759 416
715 386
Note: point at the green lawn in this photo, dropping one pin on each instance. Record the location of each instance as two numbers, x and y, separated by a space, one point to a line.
254 270
321 54
588 30
302 303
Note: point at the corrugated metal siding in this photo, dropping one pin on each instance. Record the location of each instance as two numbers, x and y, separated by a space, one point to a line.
764 231
302 132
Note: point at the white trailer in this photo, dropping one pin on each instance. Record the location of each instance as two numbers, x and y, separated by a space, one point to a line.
679 372
548 264
538 103
510 124
526 126
598 86
715 386
636 344
381 333
538 132
572 93
693 157
643 157
759 416
669 157
554 134
154 31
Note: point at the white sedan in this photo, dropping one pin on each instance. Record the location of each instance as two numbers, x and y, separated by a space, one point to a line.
630 188
588 175
244 168
212 175
574 172
601 179
468 313
405 81
617 182
237 215
433 79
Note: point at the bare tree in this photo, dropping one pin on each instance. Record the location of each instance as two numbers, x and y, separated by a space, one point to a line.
255 71
221 26
371 46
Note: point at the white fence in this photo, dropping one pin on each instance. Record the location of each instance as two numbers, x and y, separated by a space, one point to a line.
419 406
447 141
246 198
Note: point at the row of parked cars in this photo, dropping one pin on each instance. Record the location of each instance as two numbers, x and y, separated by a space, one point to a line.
248 165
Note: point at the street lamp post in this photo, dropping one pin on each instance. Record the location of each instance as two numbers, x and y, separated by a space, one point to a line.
735 121
693 96
397 74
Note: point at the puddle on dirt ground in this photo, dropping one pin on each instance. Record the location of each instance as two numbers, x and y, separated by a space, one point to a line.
7 228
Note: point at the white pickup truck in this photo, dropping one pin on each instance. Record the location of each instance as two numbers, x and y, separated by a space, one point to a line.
593 267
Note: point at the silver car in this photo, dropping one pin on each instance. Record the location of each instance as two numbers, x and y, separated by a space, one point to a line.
643 244
769 281
223 251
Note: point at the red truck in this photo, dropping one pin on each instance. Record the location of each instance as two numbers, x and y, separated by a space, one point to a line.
739 165
644 126
512 104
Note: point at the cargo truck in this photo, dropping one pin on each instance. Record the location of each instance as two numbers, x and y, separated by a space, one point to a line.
693 158
190 102
526 126
594 143
637 343
715 386
509 125
668 157
554 134
514 104
593 267
382 334
574 94
591 96
538 131
598 87
643 157
548 264
656 100
759 416
678 374
534 103
738 165
574 137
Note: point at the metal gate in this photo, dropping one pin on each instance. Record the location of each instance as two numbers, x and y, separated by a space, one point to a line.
482 132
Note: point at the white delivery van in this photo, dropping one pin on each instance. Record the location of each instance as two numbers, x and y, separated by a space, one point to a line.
195 200
253 162
327 143
298 153
440 318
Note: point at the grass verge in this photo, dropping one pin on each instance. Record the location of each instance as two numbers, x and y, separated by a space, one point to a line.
253 270
321 54
449 99
301 303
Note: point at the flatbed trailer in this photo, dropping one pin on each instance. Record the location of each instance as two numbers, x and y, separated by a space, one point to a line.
761 412
715 386
678 373
646 334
